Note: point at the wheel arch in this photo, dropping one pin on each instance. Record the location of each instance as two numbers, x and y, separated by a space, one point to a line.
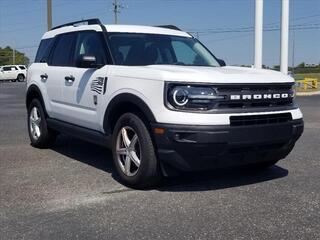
122 103
32 93
21 74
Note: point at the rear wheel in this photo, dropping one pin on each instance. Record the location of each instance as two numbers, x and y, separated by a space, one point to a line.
20 78
133 153
40 135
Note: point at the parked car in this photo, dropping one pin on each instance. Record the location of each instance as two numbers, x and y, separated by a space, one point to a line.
13 72
159 99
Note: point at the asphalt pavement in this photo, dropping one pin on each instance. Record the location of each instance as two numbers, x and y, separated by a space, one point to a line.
70 192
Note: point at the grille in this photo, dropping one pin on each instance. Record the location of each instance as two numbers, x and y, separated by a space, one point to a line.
253 90
260 119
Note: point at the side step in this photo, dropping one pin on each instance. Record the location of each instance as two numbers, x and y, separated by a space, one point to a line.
80 132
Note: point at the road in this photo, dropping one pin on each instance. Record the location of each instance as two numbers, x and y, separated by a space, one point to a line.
70 192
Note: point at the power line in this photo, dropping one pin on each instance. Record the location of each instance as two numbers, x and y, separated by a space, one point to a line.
240 30
251 27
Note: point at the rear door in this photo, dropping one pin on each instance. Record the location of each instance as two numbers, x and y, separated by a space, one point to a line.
9 72
59 65
83 92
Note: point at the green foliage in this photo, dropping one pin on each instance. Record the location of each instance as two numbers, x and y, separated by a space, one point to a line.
307 70
276 67
6 57
300 76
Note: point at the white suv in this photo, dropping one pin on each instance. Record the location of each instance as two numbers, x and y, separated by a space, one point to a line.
13 72
159 99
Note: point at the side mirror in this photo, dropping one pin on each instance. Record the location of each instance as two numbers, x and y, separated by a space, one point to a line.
222 62
85 61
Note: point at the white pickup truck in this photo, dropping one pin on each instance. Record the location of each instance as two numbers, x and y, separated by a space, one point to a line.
13 73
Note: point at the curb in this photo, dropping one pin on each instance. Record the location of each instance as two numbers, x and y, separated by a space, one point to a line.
308 93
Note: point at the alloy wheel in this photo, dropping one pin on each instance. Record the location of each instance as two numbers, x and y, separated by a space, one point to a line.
128 151
34 123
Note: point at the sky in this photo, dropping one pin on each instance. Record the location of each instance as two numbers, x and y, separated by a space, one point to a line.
224 26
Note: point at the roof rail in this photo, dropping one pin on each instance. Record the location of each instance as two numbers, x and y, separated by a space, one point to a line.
170 27
91 21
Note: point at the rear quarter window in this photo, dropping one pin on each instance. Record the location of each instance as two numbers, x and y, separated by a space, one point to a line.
44 50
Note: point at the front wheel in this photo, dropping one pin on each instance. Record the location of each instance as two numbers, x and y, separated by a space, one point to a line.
133 153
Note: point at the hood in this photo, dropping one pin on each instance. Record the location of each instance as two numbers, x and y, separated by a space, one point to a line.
201 74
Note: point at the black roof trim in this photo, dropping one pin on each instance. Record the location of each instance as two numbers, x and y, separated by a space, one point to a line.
169 27
91 21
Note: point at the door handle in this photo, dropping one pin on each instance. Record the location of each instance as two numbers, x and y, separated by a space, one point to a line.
69 79
44 76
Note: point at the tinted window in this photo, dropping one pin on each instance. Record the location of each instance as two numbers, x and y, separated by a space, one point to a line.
149 49
90 44
6 68
22 67
44 50
61 55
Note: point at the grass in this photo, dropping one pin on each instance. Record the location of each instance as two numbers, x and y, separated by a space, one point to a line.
300 76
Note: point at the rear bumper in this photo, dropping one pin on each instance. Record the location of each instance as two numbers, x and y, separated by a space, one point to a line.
190 148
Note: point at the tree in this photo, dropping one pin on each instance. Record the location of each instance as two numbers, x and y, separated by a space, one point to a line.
276 67
6 57
301 65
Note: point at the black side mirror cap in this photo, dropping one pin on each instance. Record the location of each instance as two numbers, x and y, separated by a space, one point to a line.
86 61
222 62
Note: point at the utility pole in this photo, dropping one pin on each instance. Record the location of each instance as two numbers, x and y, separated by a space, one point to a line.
116 10
293 49
258 34
13 56
49 14
284 36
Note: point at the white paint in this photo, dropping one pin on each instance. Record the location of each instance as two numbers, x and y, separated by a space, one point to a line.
117 28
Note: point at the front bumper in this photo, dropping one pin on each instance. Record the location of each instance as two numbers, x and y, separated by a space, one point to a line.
190 148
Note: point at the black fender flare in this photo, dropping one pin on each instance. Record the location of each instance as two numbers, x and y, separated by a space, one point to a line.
124 99
32 92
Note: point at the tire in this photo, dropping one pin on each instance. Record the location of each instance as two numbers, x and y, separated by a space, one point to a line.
132 146
20 78
39 133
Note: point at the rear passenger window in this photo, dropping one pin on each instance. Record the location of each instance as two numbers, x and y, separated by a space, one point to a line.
44 50
61 55
6 68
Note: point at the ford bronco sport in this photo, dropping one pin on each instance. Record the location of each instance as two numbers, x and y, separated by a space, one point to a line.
159 99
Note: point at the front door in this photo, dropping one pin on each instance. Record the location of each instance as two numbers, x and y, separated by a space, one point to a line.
83 88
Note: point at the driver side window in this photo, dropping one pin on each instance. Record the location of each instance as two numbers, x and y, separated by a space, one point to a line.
90 44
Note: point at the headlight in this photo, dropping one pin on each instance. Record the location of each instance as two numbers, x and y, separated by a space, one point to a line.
191 97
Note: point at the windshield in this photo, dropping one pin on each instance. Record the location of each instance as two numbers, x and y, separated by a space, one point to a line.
139 49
